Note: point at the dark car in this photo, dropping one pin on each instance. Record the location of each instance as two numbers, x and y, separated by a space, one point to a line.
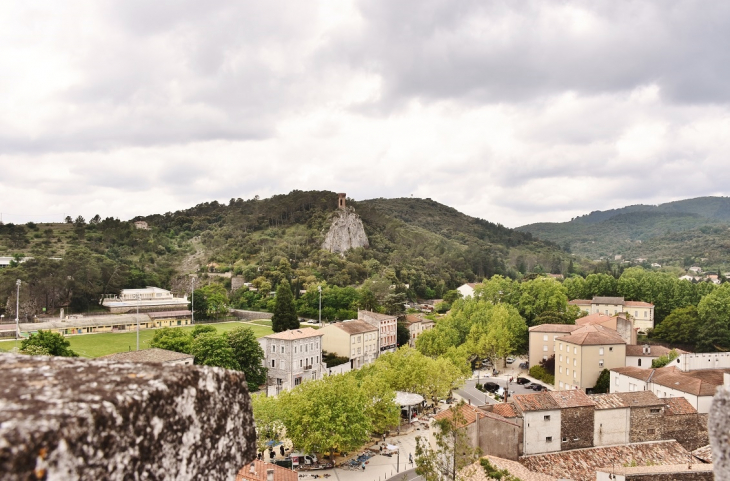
538 387
523 380
491 386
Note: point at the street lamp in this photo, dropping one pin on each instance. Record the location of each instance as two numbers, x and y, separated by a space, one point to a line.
192 299
319 288
138 299
17 310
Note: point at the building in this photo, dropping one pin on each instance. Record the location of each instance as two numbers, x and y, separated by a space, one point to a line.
416 326
262 471
387 327
541 421
697 387
642 356
467 290
78 324
162 356
622 324
584 353
642 312
542 340
292 357
148 299
355 340
140 224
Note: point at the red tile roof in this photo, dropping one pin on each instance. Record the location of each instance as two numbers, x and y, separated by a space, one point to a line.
655 351
468 412
292 334
593 335
506 410
596 318
704 453
626 400
637 304
259 474
541 401
554 328
698 383
355 327
571 398
678 405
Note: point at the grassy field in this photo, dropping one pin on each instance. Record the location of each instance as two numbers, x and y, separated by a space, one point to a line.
95 345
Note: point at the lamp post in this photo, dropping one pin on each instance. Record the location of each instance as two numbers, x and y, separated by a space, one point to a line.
17 310
138 299
192 300
319 288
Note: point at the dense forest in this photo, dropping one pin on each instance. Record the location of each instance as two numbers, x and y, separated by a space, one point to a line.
418 249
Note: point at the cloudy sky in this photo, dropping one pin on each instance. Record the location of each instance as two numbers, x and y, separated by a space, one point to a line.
515 112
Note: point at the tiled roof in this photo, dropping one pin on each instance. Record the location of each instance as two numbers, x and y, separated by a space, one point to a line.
572 398
355 327
413 319
475 472
593 335
637 304
596 318
259 474
541 401
678 405
147 355
293 334
608 300
655 351
698 383
625 400
375 316
554 328
581 464
635 372
662 472
468 412
506 410
580 302
704 453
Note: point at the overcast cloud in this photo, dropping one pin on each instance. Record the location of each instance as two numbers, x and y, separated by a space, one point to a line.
515 112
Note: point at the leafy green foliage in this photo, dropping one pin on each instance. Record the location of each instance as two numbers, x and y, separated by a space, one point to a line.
403 334
539 372
248 354
211 349
714 311
172 339
603 383
665 359
332 359
47 343
680 327
494 473
285 314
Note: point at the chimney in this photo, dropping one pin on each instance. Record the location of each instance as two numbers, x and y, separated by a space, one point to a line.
270 474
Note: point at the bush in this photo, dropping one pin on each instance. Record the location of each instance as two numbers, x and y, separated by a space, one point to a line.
539 372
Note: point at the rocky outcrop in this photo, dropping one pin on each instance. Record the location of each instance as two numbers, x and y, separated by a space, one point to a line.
346 232
93 419
719 427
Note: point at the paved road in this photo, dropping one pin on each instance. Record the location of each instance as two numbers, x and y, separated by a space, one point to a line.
471 394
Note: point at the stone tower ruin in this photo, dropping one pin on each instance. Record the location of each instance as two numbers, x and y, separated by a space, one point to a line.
341 200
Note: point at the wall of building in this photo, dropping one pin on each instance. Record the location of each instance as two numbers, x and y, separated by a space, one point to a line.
501 437
647 424
336 340
611 426
250 315
695 361
590 365
640 361
541 345
541 435
576 428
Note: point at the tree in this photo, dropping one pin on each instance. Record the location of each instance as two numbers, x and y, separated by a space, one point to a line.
172 339
249 355
268 414
285 314
200 307
79 221
540 295
714 311
211 349
68 220
662 361
403 333
452 451
95 220
216 300
680 327
52 343
603 383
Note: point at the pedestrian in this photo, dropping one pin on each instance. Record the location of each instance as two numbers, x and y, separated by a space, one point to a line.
381 449
363 465
410 458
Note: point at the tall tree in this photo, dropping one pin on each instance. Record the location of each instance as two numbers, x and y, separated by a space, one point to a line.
248 354
213 350
714 311
285 314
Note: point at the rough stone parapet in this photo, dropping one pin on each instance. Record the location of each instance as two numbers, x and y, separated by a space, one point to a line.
719 428
93 419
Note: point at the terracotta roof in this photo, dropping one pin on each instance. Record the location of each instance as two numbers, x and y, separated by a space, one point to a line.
596 318
468 412
580 302
475 472
355 327
677 406
661 471
293 334
554 328
637 304
698 383
704 453
593 335
655 351
635 372
541 401
260 468
581 464
625 400
147 355
608 300
506 410
413 319
572 398
375 316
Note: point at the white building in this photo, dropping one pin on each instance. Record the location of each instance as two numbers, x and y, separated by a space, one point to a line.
292 357
541 415
641 312
642 356
467 290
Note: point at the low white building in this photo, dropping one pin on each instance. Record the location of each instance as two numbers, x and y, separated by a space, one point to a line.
541 415
643 355
467 290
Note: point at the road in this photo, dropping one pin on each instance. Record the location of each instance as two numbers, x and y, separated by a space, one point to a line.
470 393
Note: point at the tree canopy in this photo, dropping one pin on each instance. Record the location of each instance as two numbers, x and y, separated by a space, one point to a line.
285 314
47 343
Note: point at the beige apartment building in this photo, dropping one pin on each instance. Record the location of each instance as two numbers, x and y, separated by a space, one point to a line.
584 353
356 340
641 312
542 338
387 329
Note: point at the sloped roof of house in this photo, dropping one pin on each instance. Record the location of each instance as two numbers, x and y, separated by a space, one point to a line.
374 316
596 318
294 334
468 412
637 304
608 300
635 372
625 400
655 351
661 472
571 398
506 410
153 354
554 328
704 453
592 334
475 472
676 406
581 464
260 472
698 383
541 401
354 327
413 319
580 302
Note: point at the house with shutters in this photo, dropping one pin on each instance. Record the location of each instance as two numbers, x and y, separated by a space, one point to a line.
292 357
642 313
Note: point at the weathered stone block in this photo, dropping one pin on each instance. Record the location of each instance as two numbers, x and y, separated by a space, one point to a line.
719 427
93 419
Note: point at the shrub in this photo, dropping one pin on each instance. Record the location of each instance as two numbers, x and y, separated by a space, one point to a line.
539 372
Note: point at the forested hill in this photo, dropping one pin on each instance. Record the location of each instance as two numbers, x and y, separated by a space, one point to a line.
679 233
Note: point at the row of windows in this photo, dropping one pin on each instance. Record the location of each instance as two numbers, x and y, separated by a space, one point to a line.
307 347
282 363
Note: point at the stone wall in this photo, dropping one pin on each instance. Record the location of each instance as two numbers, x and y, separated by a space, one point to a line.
690 430
646 425
250 315
93 419
719 427
501 437
576 428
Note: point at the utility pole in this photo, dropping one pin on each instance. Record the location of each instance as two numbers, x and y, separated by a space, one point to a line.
17 311
192 300
319 288
138 299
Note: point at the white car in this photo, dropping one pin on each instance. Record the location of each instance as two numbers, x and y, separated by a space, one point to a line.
510 360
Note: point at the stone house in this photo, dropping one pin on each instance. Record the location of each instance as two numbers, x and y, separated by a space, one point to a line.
386 325
683 423
584 353
355 340
576 419
642 312
541 422
292 357
416 326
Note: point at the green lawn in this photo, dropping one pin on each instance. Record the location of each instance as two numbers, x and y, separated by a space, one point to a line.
95 345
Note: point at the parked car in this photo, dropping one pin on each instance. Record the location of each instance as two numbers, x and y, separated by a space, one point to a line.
523 380
538 387
491 386
524 365
510 360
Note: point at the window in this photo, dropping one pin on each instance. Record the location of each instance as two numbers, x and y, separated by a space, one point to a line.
549 439
295 349
575 362
650 431
544 348
301 363
282 349
575 350
639 362
561 358
600 351
544 358
297 381
567 371
561 369
636 313
561 383
306 348
575 374
545 337
273 349
561 346
655 410
617 378
646 313
600 363
273 363
546 417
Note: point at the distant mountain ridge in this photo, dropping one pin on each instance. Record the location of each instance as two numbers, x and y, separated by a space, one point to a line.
717 208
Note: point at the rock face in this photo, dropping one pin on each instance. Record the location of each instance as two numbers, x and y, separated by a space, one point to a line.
719 427
87 419
346 232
